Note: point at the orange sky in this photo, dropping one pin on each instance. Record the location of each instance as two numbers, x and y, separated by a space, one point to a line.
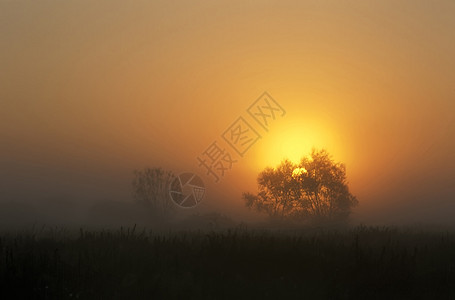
90 90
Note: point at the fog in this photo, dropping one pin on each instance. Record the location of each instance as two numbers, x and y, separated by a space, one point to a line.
92 90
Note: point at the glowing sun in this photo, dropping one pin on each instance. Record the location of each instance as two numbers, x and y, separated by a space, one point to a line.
293 140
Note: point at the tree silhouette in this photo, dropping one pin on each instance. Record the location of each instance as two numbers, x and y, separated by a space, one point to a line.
150 188
314 189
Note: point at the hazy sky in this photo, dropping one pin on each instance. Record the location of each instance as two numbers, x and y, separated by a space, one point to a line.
91 90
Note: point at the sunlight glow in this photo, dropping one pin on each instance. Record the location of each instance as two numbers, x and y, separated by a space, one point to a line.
294 140
298 171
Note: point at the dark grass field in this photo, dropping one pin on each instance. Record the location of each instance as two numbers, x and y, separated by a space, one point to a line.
361 263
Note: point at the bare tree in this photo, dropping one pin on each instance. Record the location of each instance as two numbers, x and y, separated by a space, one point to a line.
150 188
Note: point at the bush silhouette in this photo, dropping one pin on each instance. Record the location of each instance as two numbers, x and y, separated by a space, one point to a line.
151 189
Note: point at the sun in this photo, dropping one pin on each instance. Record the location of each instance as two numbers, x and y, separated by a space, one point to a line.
298 171
293 140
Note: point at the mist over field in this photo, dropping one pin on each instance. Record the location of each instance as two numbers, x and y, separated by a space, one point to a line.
89 94
227 149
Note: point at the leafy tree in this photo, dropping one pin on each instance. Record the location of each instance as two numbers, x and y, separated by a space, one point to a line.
316 188
278 190
151 189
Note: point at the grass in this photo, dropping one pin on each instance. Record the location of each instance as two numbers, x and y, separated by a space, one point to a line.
361 263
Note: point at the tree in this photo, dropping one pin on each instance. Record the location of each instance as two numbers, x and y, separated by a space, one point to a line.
278 190
316 188
151 189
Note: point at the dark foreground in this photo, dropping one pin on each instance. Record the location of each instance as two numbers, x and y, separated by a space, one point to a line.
363 263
